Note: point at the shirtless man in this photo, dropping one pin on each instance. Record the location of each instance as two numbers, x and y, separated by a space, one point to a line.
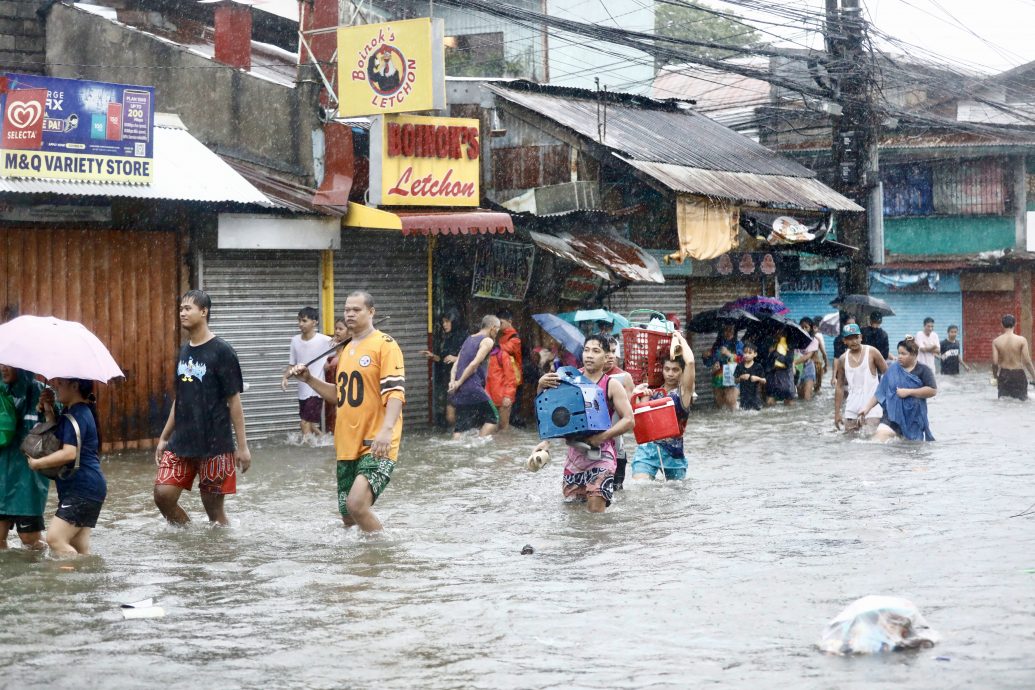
1010 359
857 370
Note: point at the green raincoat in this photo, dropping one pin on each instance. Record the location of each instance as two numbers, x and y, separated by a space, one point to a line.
23 492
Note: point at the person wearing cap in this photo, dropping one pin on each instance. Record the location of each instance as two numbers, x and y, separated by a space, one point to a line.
857 370
875 336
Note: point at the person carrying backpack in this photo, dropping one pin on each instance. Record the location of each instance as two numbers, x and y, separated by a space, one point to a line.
23 492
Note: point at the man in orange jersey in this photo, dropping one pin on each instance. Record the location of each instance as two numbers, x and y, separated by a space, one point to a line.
369 393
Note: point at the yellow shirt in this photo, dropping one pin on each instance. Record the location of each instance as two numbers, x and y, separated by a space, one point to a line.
370 373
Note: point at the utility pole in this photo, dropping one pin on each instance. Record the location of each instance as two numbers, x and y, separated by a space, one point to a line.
855 136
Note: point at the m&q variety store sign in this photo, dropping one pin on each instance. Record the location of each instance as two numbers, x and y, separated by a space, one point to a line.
397 67
424 161
67 129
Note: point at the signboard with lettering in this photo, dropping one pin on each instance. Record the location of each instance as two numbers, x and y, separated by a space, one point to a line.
580 285
67 129
424 161
503 270
396 67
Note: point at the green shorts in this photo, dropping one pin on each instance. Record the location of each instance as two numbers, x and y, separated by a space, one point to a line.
377 471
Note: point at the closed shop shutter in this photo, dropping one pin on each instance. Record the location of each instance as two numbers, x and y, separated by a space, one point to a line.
982 322
123 286
712 293
394 270
255 301
911 309
667 297
812 303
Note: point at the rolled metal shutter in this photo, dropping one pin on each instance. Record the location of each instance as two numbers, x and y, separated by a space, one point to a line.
946 308
394 270
711 293
255 301
667 297
982 322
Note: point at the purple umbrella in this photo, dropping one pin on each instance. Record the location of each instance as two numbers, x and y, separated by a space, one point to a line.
56 349
758 305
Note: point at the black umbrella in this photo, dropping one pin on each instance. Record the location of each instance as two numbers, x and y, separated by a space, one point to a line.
797 338
713 320
863 303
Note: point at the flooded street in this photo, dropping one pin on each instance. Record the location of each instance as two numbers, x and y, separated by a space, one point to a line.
726 579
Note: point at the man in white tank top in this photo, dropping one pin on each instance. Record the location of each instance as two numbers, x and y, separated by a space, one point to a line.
858 370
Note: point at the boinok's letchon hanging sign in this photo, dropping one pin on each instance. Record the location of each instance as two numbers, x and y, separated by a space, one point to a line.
396 67
424 161
68 129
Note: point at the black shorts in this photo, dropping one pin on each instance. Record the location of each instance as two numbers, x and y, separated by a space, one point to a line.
474 416
78 511
310 409
25 524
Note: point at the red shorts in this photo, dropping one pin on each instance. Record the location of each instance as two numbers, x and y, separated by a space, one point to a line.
218 473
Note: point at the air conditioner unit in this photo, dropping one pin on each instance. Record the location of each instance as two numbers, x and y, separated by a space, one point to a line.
570 196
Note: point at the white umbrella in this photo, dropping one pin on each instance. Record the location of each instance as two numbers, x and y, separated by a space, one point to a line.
56 349
831 324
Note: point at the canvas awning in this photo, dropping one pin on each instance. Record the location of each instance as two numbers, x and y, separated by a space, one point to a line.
606 255
473 222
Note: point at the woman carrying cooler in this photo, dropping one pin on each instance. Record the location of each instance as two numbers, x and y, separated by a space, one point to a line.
903 392
81 494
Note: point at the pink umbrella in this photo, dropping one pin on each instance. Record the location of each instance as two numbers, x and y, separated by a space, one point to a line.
56 349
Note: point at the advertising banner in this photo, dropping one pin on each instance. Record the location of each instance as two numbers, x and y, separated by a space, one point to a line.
424 161
66 129
503 270
396 67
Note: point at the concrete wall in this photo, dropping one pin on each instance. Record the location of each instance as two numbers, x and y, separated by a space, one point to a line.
948 235
21 37
230 111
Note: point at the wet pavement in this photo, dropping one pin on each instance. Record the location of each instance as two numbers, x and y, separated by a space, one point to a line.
726 579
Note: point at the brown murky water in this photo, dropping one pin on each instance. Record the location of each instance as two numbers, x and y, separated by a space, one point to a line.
727 579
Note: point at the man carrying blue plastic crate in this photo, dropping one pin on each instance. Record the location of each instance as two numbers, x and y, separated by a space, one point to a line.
589 468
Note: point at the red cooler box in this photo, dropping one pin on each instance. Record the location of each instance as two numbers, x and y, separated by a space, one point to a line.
655 420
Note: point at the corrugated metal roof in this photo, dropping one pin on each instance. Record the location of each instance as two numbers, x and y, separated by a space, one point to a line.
603 254
650 130
787 192
184 170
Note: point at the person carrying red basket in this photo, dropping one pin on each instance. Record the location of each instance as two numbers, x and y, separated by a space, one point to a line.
680 380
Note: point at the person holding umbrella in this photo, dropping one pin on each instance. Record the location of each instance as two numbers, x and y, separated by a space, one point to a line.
81 494
722 358
23 492
875 336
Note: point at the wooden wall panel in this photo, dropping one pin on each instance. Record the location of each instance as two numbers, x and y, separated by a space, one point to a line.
123 286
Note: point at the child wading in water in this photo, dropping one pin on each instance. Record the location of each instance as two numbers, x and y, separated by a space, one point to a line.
749 375
667 454
81 494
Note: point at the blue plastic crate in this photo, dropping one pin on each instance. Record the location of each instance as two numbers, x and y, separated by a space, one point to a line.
577 407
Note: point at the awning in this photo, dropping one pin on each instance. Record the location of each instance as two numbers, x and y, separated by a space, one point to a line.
184 170
606 255
473 222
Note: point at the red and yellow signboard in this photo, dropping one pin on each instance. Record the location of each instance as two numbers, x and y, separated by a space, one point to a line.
397 67
424 161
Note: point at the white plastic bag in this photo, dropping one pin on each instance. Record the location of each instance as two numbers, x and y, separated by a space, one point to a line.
876 624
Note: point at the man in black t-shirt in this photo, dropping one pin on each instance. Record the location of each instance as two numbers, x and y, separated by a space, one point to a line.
952 353
198 438
875 336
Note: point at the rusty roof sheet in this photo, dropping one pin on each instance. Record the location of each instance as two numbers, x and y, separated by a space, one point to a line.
605 254
649 130
785 192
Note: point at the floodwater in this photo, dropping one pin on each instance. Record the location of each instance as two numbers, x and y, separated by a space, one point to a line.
727 579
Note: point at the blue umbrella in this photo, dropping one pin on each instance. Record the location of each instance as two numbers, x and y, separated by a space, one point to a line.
570 338
617 321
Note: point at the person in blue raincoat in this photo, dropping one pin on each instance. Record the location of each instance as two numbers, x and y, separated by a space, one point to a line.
23 492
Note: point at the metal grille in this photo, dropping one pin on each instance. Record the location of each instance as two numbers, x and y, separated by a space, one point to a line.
394 270
255 301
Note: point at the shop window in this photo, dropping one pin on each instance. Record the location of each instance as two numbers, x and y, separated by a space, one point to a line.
908 190
476 55
970 188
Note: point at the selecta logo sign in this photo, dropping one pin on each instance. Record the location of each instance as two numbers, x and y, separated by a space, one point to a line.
395 67
23 119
